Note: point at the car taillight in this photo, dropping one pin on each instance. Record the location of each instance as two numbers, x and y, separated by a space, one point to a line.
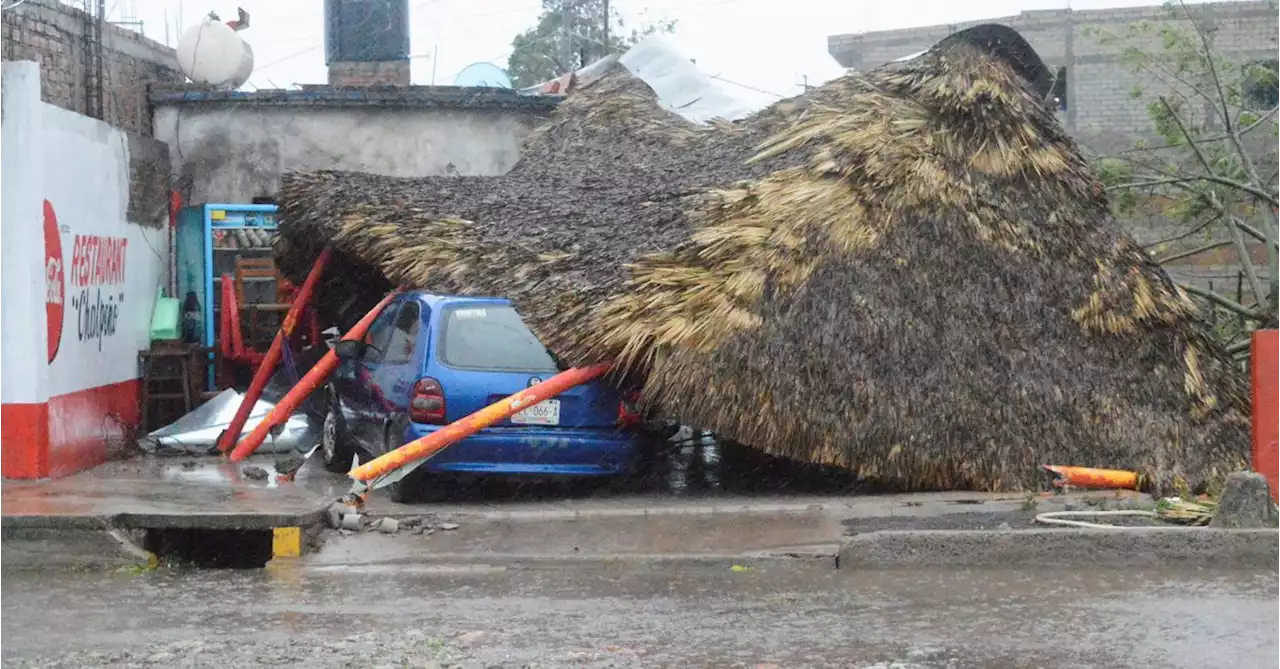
427 403
629 414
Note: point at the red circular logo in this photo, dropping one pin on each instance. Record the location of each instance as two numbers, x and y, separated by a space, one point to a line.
55 286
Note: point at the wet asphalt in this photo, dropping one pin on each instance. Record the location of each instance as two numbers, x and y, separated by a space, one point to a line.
764 616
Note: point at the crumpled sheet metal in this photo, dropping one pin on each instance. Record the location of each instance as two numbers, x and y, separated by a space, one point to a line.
197 432
681 87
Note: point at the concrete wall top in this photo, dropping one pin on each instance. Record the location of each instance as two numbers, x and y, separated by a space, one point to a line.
415 97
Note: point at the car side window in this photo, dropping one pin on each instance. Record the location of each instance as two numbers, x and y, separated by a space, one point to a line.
379 335
404 336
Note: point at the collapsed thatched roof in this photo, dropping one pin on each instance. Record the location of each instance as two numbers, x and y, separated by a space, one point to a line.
911 273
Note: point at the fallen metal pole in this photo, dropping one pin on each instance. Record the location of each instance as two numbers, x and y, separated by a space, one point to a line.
1088 477
309 382
268 366
464 427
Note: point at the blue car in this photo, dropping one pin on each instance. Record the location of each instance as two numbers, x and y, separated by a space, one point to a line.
429 360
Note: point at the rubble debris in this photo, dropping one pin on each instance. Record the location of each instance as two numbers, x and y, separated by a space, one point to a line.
255 472
335 513
387 525
1245 503
910 272
353 522
469 638
448 526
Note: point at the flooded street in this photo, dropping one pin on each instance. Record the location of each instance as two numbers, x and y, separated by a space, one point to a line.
776 614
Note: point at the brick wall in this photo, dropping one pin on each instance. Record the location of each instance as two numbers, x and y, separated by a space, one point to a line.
375 73
52 34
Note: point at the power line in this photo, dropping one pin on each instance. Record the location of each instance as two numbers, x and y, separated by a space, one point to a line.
748 87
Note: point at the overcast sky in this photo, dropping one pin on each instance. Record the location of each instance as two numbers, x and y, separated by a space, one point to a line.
770 45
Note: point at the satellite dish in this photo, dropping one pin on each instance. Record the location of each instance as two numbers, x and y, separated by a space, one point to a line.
213 54
482 74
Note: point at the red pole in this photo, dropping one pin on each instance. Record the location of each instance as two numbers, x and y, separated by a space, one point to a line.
309 382
1266 396
465 427
268 366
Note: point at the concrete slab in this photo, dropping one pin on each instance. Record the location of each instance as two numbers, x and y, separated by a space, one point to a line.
808 534
205 493
1135 547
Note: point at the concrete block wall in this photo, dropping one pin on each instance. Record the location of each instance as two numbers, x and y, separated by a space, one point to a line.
1100 109
52 34
1101 112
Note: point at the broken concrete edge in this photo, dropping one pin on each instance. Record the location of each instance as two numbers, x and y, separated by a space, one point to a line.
1245 503
81 548
201 521
97 546
1064 548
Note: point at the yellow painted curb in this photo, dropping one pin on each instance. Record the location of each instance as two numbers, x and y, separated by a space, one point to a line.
286 542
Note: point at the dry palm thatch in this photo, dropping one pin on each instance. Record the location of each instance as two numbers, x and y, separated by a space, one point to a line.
911 273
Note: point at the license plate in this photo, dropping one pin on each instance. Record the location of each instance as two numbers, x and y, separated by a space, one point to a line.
546 412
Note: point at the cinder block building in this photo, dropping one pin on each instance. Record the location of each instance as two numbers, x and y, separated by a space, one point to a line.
1094 85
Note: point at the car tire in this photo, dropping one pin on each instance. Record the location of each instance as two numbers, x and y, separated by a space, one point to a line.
336 447
411 488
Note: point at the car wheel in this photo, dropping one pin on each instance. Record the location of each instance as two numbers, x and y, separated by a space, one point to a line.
411 488
335 445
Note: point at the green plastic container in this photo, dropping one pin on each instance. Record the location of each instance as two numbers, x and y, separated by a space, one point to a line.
165 319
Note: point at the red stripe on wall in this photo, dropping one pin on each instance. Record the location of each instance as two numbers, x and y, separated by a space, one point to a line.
24 441
69 434
82 425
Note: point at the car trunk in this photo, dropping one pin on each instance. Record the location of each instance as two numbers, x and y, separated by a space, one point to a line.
493 341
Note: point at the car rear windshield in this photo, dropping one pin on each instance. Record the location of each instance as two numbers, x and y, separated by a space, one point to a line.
492 337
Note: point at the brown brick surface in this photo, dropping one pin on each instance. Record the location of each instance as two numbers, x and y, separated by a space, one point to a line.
53 34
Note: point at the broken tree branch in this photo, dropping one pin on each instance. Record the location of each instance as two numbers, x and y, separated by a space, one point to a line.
1273 261
1193 252
1186 234
1224 302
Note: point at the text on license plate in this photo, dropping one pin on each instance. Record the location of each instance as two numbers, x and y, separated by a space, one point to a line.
546 412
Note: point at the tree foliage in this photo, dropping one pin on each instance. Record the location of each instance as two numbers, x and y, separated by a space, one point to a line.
541 53
1210 164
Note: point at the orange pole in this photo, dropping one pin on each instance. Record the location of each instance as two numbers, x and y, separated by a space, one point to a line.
309 382
268 366
502 409
1088 477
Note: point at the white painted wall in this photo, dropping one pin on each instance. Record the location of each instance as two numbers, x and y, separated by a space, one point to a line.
113 269
23 377
231 152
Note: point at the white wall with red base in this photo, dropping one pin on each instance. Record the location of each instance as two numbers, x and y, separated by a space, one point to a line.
78 283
